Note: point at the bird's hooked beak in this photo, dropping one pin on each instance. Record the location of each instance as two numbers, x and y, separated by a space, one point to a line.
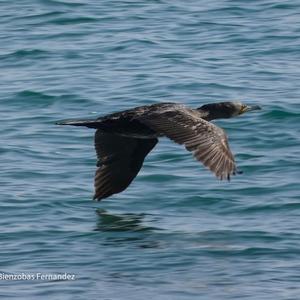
246 108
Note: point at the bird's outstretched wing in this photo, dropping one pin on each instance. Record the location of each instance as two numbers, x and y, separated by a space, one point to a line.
119 161
208 142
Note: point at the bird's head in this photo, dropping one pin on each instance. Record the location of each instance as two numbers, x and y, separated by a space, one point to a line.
225 110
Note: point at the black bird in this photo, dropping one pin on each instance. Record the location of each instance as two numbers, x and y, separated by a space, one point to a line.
123 139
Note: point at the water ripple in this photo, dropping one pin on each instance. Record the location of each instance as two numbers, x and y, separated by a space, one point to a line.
176 232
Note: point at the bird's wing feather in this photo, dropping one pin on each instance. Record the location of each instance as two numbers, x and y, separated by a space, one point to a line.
207 141
119 161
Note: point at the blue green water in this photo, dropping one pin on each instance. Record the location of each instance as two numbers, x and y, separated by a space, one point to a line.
176 232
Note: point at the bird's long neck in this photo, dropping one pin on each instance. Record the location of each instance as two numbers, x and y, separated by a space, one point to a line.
209 114
214 111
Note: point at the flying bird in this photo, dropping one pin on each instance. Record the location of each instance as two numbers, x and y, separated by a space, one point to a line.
123 140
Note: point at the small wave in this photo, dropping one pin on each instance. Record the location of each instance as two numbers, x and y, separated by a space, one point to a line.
38 99
39 16
261 251
64 35
34 95
61 3
209 85
72 21
292 49
270 208
159 178
285 6
239 235
235 10
25 53
280 114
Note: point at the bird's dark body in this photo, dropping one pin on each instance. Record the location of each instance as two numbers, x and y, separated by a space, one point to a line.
125 126
126 123
123 139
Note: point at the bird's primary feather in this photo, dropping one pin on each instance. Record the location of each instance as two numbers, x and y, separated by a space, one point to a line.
207 141
119 161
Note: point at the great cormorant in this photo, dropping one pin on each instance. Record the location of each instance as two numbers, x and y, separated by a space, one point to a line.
123 139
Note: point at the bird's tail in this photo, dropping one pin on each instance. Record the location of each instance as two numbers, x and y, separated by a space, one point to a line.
88 123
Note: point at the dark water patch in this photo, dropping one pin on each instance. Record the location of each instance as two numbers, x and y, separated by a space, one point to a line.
247 156
170 157
160 178
68 35
232 10
33 17
251 191
235 235
206 202
131 45
25 54
284 6
34 97
28 99
62 3
213 24
281 50
256 252
31 99
125 222
274 207
73 21
173 55
209 85
278 114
